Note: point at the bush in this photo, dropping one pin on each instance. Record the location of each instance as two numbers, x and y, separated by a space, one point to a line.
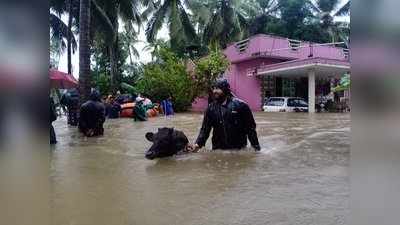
208 69
167 77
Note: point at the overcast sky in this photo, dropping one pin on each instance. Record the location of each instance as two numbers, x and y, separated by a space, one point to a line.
144 55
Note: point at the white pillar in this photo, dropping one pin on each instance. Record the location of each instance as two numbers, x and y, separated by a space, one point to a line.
311 91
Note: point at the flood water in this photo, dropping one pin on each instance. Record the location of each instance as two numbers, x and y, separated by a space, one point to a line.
301 175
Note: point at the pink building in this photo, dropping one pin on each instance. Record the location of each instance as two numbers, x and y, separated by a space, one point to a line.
265 65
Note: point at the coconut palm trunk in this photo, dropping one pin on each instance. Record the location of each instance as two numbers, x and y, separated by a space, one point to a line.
69 44
84 50
113 56
113 66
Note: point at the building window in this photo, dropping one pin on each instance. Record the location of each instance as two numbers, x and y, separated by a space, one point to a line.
288 87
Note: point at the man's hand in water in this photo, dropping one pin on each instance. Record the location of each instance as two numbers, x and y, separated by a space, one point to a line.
193 147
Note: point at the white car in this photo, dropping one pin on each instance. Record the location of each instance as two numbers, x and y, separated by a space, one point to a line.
285 104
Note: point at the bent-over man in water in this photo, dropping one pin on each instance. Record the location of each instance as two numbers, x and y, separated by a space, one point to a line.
92 116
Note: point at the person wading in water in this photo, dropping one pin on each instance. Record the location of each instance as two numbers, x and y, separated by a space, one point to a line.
231 120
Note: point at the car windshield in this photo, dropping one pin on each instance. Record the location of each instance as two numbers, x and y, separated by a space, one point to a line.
303 103
297 102
276 102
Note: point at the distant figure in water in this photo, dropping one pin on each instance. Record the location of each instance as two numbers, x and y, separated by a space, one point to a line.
92 116
70 99
231 120
140 110
113 109
167 106
53 117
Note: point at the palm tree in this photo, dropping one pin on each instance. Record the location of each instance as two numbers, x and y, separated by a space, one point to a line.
109 12
129 39
325 10
181 30
201 13
84 49
69 5
62 31
59 31
261 14
293 15
226 25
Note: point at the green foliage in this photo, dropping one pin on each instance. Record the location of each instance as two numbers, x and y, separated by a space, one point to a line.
208 69
167 77
294 14
181 30
54 52
226 24
101 82
344 84
100 57
132 72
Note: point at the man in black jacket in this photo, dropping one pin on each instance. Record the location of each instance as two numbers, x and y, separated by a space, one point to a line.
71 100
231 120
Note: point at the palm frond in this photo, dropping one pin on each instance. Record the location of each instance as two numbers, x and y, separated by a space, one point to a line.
188 28
213 29
104 17
244 24
135 52
273 7
176 31
156 21
313 7
344 10
150 9
60 30
58 6
129 11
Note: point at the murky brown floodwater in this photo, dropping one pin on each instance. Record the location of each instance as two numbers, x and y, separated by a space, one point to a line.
299 177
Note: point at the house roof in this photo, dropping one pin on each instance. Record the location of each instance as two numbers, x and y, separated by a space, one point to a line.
269 46
321 66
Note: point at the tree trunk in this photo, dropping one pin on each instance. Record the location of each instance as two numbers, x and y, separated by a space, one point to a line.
113 57
130 54
69 36
84 50
111 52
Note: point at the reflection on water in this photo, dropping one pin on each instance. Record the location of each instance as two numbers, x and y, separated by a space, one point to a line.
299 177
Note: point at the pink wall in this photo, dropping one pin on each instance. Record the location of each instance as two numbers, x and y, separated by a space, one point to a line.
199 105
248 88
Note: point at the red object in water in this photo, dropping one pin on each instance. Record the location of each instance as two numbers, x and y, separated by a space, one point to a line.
127 110
62 80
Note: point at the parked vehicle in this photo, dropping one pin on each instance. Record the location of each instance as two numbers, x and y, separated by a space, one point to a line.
285 104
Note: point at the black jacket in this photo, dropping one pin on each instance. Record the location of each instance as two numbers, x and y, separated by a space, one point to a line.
92 117
53 114
70 99
232 124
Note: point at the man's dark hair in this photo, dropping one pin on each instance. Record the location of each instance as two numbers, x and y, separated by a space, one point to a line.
95 95
223 84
